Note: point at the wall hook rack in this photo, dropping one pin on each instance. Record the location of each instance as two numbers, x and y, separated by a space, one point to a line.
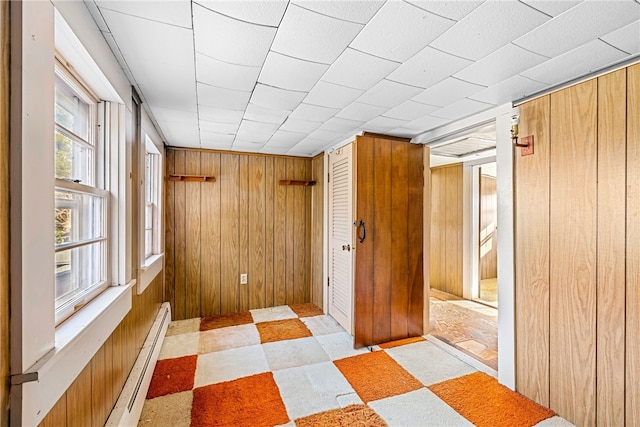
192 178
296 182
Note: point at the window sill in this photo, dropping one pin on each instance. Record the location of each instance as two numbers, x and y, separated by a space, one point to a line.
76 342
148 271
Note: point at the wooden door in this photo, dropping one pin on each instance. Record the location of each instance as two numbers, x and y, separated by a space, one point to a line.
341 236
389 241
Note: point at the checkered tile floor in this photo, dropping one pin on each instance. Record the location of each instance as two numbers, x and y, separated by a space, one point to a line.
286 363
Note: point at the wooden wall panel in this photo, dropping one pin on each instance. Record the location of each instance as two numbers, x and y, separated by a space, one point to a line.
612 145
169 235
210 237
4 211
399 205
572 253
415 279
632 384
446 229
244 222
317 217
180 237
531 199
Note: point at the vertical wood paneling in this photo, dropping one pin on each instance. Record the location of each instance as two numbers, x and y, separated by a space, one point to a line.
192 247
4 211
399 243
414 277
180 236
257 241
210 237
300 209
79 400
611 214
57 416
169 236
573 252
317 218
269 234
632 387
531 198
290 233
436 248
229 233
243 241
108 376
307 209
279 234
99 402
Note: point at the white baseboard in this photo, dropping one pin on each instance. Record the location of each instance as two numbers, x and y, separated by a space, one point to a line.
126 412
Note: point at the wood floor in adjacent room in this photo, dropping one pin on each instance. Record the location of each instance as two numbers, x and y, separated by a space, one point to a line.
468 326
294 366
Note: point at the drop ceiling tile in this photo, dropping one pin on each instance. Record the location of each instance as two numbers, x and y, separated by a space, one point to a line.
266 115
308 35
626 38
172 115
276 98
399 30
181 134
268 149
297 125
358 70
215 145
286 139
175 12
222 141
389 94
220 115
455 10
500 65
92 6
576 63
579 25
410 110
230 40
552 7
337 124
383 124
217 128
428 67
447 92
326 94
404 132
161 60
222 98
247 146
222 74
353 11
461 109
257 12
325 135
308 147
253 129
248 137
313 113
490 26
512 89
290 73
361 112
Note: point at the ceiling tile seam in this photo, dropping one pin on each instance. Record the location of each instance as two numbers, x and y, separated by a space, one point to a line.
225 62
220 87
281 88
528 50
258 121
465 81
537 10
195 72
234 18
444 51
403 84
148 19
106 24
526 77
614 46
375 56
327 16
295 57
438 15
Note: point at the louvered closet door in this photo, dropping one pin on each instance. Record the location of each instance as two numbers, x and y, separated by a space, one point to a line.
340 236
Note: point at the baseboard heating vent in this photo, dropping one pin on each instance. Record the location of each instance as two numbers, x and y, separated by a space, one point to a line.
126 412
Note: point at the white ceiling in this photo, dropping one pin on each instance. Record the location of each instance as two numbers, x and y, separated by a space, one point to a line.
296 77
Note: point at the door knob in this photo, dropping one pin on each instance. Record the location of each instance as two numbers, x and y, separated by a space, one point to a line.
346 247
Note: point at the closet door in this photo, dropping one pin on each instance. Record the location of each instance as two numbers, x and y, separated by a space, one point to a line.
389 240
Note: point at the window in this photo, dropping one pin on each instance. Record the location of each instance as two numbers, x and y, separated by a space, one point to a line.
81 238
152 194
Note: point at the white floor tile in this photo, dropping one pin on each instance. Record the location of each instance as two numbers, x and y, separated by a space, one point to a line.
272 313
322 325
229 365
179 345
339 345
183 326
293 353
418 408
428 363
348 399
311 389
226 338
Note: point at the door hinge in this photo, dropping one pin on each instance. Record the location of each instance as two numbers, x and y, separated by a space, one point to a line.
328 177
327 282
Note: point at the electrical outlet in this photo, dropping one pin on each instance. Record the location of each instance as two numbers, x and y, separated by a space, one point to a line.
243 279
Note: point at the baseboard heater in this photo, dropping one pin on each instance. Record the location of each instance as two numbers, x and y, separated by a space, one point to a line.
126 412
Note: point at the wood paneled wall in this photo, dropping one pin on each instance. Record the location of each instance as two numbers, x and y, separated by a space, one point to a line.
91 397
317 218
577 251
446 229
244 222
4 212
488 221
